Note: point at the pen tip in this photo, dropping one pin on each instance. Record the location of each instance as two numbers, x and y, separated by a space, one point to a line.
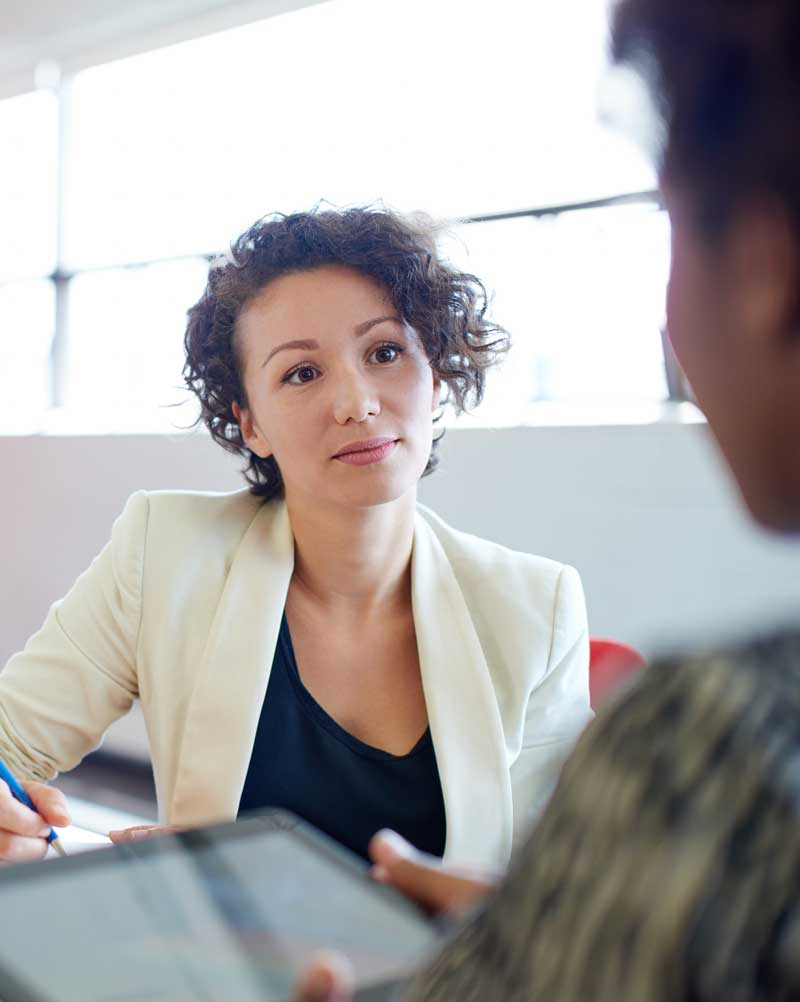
59 848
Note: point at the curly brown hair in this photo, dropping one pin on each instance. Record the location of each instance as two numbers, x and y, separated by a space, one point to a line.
446 307
725 78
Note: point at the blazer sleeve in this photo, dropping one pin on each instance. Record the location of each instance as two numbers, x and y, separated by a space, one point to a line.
558 707
77 674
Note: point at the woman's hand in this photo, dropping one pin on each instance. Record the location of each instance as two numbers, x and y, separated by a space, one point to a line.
425 879
23 832
139 832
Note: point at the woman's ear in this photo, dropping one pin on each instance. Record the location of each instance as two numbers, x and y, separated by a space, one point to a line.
763 260
253 439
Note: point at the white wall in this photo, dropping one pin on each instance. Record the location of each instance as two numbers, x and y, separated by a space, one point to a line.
645 513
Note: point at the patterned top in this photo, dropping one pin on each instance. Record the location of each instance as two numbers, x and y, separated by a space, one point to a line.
667 865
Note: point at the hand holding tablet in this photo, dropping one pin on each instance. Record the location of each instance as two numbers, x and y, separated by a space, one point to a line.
436 886
328 978
425 879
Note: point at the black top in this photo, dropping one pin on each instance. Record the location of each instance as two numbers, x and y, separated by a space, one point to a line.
305 762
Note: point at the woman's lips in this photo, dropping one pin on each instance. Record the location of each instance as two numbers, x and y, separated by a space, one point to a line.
364 457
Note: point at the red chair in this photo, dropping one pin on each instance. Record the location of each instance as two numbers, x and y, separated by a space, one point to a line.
610 664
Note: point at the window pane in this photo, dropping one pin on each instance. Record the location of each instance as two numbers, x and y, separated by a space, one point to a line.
28 180
125 346
582 295
27 311
459 107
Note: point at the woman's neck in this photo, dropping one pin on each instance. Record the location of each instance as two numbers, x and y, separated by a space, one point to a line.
353 562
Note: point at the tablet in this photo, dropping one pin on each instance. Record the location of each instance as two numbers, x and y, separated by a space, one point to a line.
231 912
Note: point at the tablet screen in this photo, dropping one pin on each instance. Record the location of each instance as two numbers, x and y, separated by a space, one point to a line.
230 912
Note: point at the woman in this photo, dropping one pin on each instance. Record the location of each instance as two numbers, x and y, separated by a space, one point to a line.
321 639
666 867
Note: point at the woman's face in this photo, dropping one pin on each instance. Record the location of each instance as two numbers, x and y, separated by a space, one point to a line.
329 367
730 327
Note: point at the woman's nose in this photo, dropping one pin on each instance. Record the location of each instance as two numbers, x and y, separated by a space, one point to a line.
355 399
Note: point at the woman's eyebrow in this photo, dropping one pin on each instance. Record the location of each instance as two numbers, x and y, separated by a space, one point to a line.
306 345
367 325
311 345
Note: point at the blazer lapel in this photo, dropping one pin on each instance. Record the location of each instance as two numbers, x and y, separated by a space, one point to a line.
226 702
462 707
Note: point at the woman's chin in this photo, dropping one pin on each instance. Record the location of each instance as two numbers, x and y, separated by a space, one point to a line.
374 485
377 496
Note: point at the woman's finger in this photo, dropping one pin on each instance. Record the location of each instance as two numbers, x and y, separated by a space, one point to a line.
424 878
50 803
21 849
138 832
17 819
328 978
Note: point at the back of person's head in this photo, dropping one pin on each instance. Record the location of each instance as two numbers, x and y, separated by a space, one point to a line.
667 866
725 79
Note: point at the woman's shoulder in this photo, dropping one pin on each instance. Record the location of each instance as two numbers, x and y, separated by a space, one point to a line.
240 504
192 505
516 600
474 555
170 520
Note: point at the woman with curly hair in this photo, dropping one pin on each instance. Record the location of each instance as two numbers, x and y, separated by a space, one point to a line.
319 642
666 867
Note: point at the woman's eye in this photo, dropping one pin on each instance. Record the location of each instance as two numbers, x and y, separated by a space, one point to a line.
305 374
386 352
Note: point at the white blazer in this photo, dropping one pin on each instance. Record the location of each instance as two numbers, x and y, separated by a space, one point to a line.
182 609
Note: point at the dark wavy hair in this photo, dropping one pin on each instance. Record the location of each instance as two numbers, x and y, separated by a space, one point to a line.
446 307
725 78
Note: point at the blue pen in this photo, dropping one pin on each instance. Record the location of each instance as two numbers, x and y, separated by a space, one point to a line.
19 794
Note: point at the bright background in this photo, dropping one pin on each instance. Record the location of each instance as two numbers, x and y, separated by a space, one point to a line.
119 181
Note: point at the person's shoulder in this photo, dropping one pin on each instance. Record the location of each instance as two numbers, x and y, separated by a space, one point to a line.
169 518
512 596
239 505
768 660
472 554
721 685
772 654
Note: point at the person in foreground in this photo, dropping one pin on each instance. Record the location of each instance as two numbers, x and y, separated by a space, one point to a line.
666 867
320 639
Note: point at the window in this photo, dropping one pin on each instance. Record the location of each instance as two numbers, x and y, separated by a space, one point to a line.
582 294
126 355
467 109
28 181
27 317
